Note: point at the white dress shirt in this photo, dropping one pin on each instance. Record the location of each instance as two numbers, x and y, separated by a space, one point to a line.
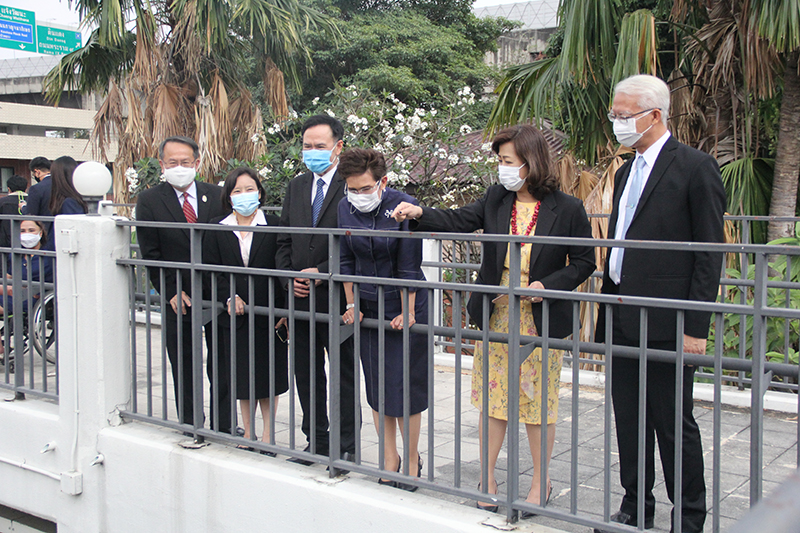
191 195
327 177
245 237
650 155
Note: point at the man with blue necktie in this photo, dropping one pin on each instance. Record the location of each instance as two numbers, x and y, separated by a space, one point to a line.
312 201
668 192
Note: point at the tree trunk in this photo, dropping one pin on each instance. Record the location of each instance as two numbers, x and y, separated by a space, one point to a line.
787 160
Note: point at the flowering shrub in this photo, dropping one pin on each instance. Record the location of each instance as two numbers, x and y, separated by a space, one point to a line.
432 153
144 174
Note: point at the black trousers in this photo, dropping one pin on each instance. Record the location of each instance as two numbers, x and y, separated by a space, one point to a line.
304 362
659 423
184 390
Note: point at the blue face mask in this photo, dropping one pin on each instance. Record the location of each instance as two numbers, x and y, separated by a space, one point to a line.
245 203
317 161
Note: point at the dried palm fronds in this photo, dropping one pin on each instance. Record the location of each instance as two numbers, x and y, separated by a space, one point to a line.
275 90
108 122
247 125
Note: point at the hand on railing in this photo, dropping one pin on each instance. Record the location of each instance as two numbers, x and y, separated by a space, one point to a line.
185 302
236 306
534 299
348 316
397 322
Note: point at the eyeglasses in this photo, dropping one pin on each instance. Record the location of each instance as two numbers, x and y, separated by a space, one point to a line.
364 190
612 117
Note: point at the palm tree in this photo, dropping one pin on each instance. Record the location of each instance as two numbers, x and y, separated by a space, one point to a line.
175 67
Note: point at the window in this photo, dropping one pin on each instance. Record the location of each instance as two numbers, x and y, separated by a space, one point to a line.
5 173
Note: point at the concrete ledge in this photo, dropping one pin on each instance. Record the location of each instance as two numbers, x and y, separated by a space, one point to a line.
153 484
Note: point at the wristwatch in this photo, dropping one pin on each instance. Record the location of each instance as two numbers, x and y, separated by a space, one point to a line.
349 306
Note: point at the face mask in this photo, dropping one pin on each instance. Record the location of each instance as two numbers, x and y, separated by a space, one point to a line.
509 177
317 161
365 203
245 203
180 177
625 130
29 240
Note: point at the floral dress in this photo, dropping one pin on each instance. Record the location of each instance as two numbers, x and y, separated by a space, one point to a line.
530 396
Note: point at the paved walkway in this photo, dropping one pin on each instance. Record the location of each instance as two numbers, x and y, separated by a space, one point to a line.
780 447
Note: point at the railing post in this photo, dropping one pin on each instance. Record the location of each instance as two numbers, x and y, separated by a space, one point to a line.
94 353
757 386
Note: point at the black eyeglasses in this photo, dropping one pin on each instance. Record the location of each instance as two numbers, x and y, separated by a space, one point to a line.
612 117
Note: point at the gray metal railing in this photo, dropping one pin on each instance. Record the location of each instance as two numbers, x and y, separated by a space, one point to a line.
29 323
153 401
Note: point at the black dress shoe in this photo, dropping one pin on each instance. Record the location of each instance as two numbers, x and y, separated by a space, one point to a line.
389 482
301 461
346 456
487 508
621 517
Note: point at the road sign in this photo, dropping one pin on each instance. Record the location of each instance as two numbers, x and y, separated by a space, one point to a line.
57 40
16 29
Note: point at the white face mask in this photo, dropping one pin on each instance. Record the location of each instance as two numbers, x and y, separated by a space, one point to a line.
30 240
180 177
509 177
625 130
366 203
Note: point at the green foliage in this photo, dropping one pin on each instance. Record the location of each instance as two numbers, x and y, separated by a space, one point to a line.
779 331
144 174
401 52
748 186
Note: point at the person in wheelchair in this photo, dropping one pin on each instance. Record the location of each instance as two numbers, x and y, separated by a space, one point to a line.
33 236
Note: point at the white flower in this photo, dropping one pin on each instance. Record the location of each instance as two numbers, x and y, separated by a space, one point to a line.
265 172
364 121
330 113
433 112
453 159
221 183
315 101
352 119
288 164
441 153
419 112
465 129
389 146
379 148
400 106
486 146
293 114
162 177
275 128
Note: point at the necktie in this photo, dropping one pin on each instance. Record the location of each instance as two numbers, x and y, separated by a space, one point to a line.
634 193
316 206
188 210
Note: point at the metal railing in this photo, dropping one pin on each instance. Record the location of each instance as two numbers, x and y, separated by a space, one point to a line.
153 397
29 323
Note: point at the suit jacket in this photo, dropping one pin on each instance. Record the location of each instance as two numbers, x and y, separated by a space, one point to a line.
559 215
9 205
39 198
683 200
299 251
161 204
222 248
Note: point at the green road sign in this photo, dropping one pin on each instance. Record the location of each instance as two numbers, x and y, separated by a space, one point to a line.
17 29
56 40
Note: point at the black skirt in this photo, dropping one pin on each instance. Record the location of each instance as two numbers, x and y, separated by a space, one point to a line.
261 363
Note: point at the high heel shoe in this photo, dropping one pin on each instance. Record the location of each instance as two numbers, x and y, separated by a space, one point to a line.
487 508
523 515
389 482
407 486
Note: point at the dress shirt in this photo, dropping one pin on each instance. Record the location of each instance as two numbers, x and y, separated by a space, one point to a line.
191 195
327 178
650 155
245 237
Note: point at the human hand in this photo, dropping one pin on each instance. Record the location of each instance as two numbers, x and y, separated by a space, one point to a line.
397 322
317 282
185 302
348 315
693 344
283 323
406 210
534 299
301 289
236 306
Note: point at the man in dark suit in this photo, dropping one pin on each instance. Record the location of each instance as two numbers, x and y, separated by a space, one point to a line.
39 193
312 201
181 199
13 204
668 192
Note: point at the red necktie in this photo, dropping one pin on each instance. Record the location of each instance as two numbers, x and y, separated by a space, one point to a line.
188 210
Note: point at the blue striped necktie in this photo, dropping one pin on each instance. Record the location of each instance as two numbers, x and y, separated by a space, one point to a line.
634 193
316 207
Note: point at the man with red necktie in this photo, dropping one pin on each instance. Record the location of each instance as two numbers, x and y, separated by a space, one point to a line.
181 199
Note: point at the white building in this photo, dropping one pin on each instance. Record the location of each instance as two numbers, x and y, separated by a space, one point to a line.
539 20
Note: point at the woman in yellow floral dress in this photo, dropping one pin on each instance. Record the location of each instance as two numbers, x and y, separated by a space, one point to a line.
527 202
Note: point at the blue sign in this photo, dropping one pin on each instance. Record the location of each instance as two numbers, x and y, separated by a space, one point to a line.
14 31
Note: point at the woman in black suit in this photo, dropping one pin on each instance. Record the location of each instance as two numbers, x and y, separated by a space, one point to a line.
527 202
243 193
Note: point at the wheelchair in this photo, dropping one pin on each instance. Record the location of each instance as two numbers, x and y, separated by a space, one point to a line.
42 319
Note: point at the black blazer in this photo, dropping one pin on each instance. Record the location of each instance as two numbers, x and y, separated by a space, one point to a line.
222 248
39 198
161 204
684 200
559 215
299 251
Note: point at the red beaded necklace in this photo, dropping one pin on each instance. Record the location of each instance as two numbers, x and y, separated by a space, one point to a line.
532 223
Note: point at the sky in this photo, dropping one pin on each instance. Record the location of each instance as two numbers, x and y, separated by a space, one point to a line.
59 12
